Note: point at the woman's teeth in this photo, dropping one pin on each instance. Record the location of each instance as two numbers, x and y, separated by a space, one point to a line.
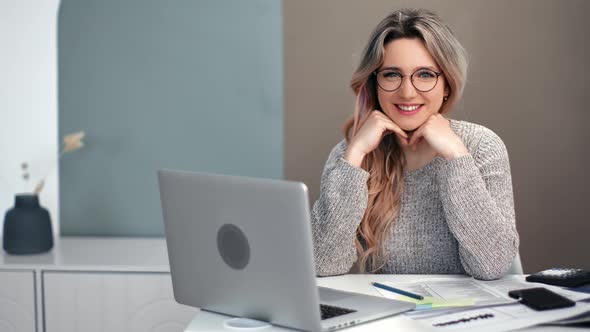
408 108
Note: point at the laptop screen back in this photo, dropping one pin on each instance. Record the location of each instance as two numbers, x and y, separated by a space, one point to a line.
241 246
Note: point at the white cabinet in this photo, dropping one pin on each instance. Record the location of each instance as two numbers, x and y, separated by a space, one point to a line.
94 302
17 301
91 284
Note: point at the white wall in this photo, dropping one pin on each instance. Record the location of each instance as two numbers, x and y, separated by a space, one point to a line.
28 100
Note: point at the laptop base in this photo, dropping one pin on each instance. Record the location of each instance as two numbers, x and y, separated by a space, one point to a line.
205 321
239 323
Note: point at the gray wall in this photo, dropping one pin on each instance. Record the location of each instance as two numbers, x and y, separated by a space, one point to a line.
181 84
529 72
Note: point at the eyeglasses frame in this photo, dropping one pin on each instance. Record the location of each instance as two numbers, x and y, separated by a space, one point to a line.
376 72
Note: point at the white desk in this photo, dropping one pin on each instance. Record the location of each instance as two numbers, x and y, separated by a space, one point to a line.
356 283
97 269
360 283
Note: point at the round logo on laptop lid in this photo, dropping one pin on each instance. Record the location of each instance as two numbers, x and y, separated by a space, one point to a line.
233 246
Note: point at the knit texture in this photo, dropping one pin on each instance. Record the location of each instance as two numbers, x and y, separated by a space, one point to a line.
456 216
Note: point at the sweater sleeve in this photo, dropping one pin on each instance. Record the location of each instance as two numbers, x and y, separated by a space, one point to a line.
477 199
337 213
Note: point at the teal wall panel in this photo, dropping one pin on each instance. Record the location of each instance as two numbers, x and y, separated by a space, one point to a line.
193 85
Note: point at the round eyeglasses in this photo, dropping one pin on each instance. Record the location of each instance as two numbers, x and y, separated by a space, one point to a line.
390 80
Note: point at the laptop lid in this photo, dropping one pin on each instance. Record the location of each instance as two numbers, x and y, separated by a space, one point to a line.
241 246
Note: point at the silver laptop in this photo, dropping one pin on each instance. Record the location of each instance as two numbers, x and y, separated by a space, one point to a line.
243 247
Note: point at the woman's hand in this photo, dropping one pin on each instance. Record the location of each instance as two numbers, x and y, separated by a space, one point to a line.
438 134
377 126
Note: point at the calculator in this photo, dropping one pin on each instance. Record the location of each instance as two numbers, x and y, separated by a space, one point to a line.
564 277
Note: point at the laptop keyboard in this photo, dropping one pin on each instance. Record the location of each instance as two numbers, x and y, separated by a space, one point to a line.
329 311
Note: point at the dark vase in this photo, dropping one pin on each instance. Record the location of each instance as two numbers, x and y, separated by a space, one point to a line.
27 227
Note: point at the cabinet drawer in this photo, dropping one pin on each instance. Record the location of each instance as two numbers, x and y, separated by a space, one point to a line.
103 301
17 301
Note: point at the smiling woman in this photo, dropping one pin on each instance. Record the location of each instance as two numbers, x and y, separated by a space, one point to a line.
410 102
409 190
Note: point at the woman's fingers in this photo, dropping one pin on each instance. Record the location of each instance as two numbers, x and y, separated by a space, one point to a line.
416 135
397 130
390 125
372 132
404 141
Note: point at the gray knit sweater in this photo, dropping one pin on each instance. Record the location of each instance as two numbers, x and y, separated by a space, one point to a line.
456 216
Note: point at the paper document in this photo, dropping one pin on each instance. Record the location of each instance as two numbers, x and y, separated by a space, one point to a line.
577 319
502 318
449 293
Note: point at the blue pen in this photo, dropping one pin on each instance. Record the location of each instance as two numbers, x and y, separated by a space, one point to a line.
398 291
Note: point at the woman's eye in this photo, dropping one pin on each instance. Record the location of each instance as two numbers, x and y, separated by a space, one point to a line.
391 74
425 74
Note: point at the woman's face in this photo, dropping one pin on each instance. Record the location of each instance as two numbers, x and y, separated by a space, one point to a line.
408 107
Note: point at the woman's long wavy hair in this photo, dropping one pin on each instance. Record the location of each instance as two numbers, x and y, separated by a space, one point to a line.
386 163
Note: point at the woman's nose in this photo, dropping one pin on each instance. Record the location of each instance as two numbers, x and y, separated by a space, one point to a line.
407 89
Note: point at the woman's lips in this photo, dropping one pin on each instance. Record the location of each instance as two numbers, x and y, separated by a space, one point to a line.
409 109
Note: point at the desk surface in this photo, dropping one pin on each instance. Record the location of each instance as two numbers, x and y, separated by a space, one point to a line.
149 254
360 283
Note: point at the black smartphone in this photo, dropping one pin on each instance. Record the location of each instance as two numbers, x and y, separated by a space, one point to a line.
540 298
